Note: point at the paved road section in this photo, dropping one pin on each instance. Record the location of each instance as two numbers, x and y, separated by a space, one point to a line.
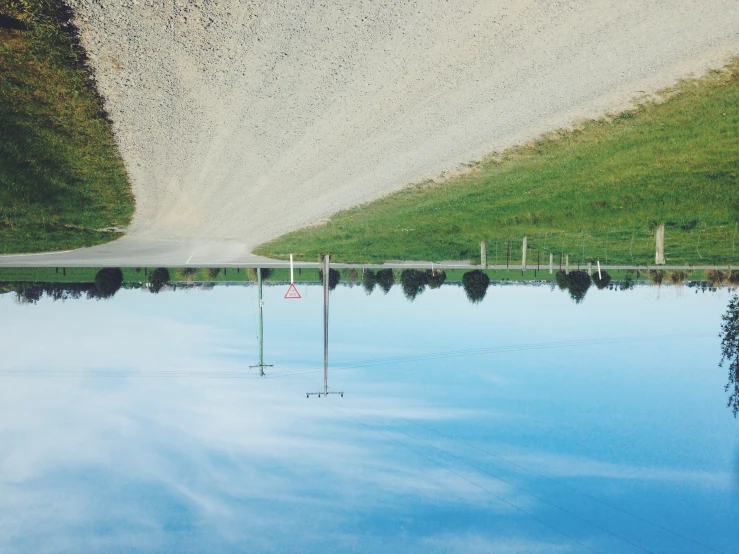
241 120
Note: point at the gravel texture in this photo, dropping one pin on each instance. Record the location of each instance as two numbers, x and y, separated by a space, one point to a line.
242 120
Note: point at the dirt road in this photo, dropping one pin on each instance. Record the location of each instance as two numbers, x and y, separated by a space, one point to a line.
241 120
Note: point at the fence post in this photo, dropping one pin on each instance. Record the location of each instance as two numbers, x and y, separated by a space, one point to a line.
483 255
659 238
551 263
567 263
523 258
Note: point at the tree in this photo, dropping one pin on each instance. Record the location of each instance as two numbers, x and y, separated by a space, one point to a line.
333 278
603 281
413 281
578 283
475 284
386 279
369 280
107 281
436 279
213 272
561 280
158 278
730 352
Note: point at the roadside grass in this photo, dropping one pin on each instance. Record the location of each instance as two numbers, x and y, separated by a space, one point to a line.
62 182
305 275
595 192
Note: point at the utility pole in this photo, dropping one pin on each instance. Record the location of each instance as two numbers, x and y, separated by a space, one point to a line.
261 365
326 274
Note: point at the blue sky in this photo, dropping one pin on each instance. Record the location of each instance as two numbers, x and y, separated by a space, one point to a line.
146 431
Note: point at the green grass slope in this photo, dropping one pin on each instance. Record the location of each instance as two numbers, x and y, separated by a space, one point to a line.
595 193
62 183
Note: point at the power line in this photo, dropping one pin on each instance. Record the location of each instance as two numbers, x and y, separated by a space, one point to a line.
573 489
570 537
544 500
360 364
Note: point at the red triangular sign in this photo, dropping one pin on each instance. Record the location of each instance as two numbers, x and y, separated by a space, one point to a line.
292 292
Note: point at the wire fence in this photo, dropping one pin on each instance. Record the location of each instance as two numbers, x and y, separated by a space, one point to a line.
701 245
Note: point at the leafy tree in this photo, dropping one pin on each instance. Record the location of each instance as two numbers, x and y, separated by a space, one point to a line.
413 281
603 281
369 280
578 283
730 351
475 284
107 281
333 278
436 279
386 279
158 278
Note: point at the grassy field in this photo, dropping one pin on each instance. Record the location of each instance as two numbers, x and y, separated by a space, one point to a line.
62 183
596 192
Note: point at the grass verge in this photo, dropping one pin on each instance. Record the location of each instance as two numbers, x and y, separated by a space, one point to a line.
62 182
595 192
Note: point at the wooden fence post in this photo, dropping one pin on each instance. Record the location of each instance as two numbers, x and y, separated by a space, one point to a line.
659 238
523 258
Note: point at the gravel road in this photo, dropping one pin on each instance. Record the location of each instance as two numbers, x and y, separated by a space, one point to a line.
241 120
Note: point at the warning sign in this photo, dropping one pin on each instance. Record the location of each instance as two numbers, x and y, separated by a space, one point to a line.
292 292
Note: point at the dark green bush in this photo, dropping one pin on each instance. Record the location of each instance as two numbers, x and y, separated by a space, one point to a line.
107 281
603 281
436 279
475 284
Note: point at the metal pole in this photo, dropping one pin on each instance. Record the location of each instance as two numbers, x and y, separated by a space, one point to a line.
325 322
261 323
291 269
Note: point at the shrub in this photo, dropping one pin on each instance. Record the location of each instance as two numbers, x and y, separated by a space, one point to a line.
107 281
475 284
436 279
386 279
187 273
352 275
252 273
214 272
413 281
333 278
734 279
578 283
158 278
657 277
369 280
716 277
677 277
603 281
